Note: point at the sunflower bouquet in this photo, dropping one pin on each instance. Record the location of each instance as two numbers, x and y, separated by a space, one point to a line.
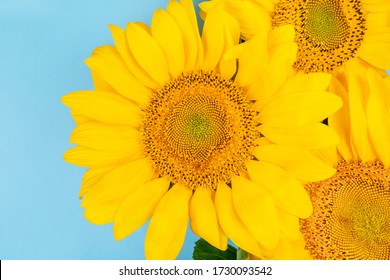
269 128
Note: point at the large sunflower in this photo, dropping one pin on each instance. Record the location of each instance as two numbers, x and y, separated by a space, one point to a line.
351 218
328 32
167 133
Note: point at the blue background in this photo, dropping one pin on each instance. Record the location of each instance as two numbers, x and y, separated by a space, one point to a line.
43 44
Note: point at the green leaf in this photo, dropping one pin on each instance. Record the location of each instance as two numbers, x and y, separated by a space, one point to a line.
204 251
242 255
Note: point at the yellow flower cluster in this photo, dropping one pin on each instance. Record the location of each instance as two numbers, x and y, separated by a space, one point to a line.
269 128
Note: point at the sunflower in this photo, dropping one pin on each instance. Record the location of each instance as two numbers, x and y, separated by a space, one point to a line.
328 32
173 130
351 217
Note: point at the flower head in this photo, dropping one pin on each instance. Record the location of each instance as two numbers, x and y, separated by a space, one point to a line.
328 32
174 130
351 217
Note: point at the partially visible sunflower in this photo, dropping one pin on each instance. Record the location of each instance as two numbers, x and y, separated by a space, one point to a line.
351 218
328 32
167 134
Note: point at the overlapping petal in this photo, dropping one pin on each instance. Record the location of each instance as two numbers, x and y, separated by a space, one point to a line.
107 63
257 210
138 207
168 35
302 164
168 226
286 191
231 223
204 221
118 110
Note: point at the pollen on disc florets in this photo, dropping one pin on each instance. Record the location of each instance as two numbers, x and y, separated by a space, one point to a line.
328 32
351 213
199 129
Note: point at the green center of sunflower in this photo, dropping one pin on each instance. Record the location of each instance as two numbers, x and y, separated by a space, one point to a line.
326 25
196 126
328 32
351 214
199 130
368 222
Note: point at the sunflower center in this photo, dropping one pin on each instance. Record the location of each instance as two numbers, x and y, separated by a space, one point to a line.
326 25
351 218
195 127
328 32
199 130
367 222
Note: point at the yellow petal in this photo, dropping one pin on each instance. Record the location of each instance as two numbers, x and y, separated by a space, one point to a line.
340 121
278 69
103 106
280 36
263 141
378 116
376 22
206 6
358 91
120 182
376 53
231 223
119 36
167 34
301 164
100 84
105 61
87 157
147 53
257 211
78 118
253 60
138 207
179 14
376 5
91 177
144 26
251 17
301 82
329 155
299 108
286 191
204 222
228 67
289 250
189 8
213 39
307 137
267 5
103 212
111 138
378 37
168 226
282 54
380 18
289 225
